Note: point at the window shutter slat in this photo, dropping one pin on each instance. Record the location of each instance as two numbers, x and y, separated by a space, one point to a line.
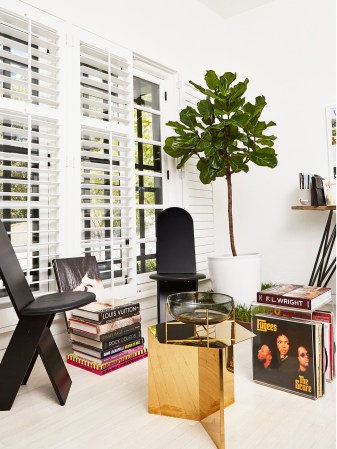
198 199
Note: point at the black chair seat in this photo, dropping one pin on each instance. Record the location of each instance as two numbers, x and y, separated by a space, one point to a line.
172 277
57 302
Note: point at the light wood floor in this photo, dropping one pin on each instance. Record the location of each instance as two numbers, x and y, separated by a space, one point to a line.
111 412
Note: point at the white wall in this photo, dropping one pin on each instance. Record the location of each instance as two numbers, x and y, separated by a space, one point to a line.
287 49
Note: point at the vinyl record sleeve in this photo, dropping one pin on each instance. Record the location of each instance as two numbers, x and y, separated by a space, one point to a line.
287 354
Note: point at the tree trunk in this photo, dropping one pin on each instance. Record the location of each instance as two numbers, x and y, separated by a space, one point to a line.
230 212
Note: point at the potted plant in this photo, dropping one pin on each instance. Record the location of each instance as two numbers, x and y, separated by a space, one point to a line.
226 134
244 313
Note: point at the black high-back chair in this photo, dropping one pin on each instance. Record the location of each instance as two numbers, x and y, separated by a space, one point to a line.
32 335
176 266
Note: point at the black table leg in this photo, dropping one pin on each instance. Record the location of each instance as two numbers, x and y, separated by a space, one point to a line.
324 268
165 288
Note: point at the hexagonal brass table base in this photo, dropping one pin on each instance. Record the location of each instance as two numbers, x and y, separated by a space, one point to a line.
192 381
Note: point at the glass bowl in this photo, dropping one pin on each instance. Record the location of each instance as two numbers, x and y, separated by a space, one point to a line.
192 307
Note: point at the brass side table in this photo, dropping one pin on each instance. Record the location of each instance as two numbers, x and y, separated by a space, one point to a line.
189 380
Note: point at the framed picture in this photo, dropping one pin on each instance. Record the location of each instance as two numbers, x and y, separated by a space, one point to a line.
331 135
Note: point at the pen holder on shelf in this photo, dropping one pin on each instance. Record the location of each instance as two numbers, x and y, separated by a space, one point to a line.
304 197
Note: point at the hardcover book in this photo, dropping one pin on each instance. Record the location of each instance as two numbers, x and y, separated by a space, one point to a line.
102 313
99 329
287 354
106 344
125 330
294 296
80 274
110 358
101 353
92 367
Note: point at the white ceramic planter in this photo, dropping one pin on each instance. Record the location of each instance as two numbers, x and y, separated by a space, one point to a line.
239 276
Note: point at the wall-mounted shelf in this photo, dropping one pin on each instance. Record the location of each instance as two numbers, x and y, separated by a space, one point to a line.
333 207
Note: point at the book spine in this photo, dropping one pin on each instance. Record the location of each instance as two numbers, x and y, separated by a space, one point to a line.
283 301
121 340
107 352
117 324
114 342
118 313
113 314
120 332
92 367
109 335
98 329
111 358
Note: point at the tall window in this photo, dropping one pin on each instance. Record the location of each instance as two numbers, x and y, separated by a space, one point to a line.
148 163
29 144
107 164
81 168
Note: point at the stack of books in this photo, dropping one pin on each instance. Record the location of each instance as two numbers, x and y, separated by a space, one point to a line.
295 296
294 345
105 338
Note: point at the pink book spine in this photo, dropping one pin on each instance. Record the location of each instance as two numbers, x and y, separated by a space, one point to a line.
122 354
90 367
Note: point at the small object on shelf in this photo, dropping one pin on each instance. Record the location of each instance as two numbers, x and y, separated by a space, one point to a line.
318 196
295 296
201 307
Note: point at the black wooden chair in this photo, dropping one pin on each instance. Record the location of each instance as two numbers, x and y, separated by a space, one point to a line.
32 335
176 266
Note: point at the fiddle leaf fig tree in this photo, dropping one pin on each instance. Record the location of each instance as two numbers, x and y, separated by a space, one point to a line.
225 132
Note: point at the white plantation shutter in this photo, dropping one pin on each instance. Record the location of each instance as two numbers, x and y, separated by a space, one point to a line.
198 199
30 144
29 61
107 165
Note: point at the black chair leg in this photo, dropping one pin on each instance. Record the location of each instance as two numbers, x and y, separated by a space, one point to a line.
19 357
32 363
29 370
54 365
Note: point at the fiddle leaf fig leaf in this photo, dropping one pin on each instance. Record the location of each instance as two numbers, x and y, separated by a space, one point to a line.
211 79
237 163
240 119
176 125
204 142
238 90
265 141
225 81
264 159
188 117
206 110
184 159
197 86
